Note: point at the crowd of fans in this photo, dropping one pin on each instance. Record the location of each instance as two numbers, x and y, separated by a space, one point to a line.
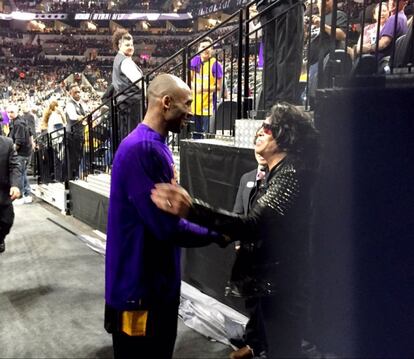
87 6
30 71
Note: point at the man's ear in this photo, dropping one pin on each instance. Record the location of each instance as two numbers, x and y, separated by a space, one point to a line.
166 102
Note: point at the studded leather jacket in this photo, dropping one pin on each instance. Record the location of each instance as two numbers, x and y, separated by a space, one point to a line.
274 234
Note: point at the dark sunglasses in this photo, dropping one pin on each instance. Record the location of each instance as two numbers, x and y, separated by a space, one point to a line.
267 128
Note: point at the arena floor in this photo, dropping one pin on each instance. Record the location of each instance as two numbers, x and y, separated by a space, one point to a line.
52 293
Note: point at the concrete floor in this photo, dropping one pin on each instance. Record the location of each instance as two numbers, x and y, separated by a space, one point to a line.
52 293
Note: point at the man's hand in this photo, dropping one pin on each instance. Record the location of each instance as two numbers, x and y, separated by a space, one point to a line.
14 193
172 199
316 20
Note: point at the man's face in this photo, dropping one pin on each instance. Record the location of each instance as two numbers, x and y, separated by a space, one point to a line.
179 112
75 93
265 143
384 13
328 6
126 47
392 5
12 113
206 54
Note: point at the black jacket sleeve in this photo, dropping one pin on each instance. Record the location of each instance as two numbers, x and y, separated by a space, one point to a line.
280 196
14 167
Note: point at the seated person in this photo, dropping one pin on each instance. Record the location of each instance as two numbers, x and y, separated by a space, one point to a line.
370 31
321 42
387 32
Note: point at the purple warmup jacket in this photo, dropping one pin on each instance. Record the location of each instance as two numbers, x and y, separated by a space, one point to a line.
142 256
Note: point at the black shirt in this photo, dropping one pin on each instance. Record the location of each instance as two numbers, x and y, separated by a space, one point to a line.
315 45
21 136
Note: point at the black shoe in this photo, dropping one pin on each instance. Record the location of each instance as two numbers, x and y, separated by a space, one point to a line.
2 247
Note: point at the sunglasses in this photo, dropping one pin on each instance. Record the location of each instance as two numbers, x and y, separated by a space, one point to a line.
267 128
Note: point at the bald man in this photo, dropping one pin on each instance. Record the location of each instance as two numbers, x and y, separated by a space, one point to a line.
142 252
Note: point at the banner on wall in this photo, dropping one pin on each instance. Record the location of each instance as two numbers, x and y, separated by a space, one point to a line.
221 6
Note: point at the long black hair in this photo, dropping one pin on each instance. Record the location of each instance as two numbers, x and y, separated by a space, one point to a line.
295 133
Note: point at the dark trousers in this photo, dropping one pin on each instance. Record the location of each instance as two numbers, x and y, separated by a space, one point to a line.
201 126
129 116
255 335
75 142
159 341
6 220
282 54
284 327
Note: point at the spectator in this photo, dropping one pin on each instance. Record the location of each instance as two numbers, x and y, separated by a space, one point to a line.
370 31
206 83
54 119
320 42
277 226
142 254
125 73
9 187
387 33
75 131
23 140
282 51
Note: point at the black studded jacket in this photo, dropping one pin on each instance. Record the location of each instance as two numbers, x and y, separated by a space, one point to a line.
274 234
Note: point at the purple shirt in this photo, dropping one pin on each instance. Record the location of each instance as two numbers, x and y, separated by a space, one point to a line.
260 61
4 117
142 256
388 30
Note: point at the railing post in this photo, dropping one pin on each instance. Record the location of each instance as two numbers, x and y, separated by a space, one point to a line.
114 125
184 69
394 38
66 156
187 65
309 24
240 69
90 144
321 54
143 95
67 177
246 65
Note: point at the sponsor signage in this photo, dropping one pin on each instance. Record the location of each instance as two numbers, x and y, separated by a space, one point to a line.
221 6
133 16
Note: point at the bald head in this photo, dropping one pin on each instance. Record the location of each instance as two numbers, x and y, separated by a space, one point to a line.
166 85
13 111
169 104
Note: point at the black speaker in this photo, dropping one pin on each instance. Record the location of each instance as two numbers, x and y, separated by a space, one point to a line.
226 115
363 246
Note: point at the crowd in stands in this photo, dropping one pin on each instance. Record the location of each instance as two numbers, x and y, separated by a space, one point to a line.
87 6
26 71
165 46
62 6
24 51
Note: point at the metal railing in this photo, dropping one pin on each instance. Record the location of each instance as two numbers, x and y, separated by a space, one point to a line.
90 144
